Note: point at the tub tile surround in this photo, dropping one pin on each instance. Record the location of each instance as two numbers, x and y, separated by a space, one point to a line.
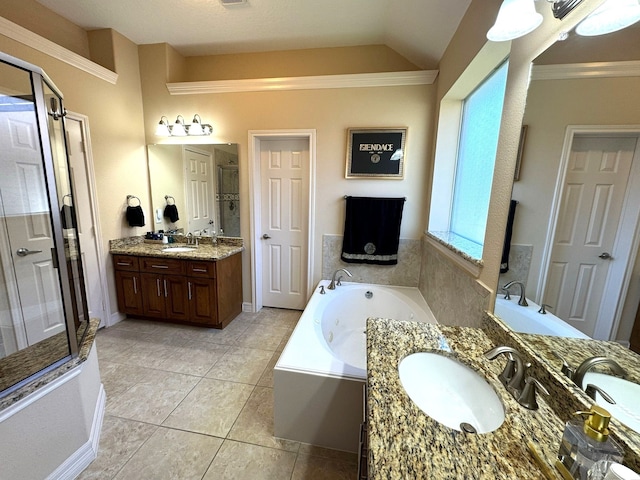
461 304
519 265
13 365
565 398
406 443
405 274
206 249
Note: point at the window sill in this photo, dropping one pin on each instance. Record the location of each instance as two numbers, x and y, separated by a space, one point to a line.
464 253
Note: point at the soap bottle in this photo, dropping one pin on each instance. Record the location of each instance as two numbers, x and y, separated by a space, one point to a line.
586 441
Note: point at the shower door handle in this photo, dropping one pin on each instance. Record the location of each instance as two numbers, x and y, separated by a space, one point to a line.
23 252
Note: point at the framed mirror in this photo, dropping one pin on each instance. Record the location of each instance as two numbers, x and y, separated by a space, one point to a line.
200 185
575 232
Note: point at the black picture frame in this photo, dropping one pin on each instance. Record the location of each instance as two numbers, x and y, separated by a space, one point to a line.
376 153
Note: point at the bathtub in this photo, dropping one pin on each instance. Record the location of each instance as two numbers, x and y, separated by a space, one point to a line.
319 378
528 320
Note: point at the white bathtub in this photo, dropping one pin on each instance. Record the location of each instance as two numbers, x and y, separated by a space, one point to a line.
528 320
319 377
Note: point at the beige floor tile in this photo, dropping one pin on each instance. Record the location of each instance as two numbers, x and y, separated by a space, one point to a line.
255 423
245 365
211 407
243 461
265 337
278 318
119 440
308 467
194 358
153 399
171 454
316 451
118 378
266 380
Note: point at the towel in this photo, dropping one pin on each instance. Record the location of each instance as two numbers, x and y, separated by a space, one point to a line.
171 212
372 230
68 217
504 262
135 216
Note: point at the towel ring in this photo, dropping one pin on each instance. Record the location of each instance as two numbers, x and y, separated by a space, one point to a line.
130 197
64 197
167 197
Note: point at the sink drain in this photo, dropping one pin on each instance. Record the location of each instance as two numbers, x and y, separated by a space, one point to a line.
369 294
468 428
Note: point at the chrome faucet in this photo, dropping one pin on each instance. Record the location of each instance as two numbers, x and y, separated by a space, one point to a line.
591 362
512 377
523 299
189 237
332 285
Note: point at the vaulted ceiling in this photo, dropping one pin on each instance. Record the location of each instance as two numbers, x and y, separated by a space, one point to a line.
420 30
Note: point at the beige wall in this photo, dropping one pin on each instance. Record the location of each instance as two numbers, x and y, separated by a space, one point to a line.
552 105
117 132
330 112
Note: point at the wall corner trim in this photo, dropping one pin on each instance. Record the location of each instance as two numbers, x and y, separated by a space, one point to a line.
26 37
357 80
586 70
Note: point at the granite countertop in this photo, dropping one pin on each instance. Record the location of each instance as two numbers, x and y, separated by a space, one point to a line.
406 443
205 250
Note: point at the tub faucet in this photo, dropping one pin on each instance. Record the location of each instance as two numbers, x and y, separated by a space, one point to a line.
332 285
523 299
591 362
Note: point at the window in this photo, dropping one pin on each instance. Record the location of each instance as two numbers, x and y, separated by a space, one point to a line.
479 130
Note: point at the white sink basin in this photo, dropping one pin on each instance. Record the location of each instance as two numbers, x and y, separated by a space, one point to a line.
178 249
625 394
451 393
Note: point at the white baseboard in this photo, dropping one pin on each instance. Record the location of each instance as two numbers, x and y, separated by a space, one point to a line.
247 307
76 463
115 318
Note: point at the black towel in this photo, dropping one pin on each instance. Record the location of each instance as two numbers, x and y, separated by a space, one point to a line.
135 216
171 212
504 262
372 230
68 217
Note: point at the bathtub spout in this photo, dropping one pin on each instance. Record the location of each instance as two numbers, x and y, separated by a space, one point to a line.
332 285
523 299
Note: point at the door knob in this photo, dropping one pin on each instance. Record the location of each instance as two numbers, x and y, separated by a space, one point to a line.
605 256
23 252
266 237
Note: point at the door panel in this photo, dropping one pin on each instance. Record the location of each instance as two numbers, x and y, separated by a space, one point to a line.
200 189
589 216
284 166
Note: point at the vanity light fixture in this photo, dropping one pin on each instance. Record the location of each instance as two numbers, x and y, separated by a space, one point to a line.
516 18
611 16
180 129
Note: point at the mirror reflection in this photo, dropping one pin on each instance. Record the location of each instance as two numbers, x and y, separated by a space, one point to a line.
574 241
195 188
573 251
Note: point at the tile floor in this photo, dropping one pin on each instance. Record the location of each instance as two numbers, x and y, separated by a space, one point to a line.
193 403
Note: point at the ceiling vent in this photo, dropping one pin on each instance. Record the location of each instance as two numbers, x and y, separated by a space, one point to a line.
229 3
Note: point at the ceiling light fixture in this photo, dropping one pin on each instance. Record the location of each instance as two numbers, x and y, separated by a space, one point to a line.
180 129
516 18
611 16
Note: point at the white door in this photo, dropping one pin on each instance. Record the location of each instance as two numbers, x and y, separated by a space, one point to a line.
86 217
592 201
284 178
199 190
25 209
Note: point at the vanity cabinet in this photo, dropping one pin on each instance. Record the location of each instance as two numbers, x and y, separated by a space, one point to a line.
197 292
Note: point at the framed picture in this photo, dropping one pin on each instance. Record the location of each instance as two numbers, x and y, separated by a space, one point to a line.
523 138
376 152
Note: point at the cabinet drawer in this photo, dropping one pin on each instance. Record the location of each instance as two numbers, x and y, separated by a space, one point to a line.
164 266
201 269
126 262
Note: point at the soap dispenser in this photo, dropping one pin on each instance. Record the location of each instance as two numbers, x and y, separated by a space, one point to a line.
584 442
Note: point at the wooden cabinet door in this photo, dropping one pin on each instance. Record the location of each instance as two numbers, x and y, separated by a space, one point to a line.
176 297
153 299
129 290
202 301
229 288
